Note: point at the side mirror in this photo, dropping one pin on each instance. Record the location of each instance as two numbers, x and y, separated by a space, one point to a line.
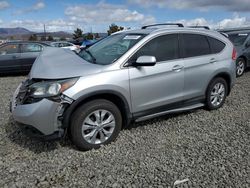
145 61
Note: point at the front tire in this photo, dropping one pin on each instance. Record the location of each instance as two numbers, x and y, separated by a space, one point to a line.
240 67
216 93
95 123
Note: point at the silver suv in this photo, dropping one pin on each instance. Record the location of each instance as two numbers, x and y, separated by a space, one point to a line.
128 77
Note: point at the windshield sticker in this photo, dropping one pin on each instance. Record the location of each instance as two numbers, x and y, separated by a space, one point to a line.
242 34
131 37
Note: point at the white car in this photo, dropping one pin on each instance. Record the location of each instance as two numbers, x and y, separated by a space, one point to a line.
66 45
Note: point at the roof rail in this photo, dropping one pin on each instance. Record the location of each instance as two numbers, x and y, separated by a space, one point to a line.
177 24
200 26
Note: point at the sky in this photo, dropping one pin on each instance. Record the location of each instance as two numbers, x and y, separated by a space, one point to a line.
97 15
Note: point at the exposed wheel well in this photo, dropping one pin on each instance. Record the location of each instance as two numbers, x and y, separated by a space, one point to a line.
117 100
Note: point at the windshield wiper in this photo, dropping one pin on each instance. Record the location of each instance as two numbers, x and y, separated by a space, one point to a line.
91 55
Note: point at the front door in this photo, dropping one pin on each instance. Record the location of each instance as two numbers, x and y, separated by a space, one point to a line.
157 87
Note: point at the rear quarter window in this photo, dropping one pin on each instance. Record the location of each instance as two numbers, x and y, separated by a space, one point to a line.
215 45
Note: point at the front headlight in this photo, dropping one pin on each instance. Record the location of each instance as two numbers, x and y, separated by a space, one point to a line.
50 88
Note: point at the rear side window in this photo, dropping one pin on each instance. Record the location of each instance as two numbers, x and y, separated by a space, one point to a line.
31 48
9 49
195 45
215 45
163 48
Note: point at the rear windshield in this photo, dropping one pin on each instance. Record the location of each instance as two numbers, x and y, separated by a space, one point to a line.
238 39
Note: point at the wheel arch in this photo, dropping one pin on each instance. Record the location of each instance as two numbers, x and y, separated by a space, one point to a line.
225 76
117 98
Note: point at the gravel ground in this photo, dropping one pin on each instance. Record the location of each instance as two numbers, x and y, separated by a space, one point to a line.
211 149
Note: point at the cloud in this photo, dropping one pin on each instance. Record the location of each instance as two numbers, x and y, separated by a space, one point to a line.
104 13
235 21
4 5
36 25
35 7
229 5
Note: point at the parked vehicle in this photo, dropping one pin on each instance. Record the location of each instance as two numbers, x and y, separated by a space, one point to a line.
241 39
66 45
18 57
129 76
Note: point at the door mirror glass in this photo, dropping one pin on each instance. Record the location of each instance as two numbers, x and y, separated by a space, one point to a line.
146 61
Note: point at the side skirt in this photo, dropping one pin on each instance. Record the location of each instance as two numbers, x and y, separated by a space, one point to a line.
143 118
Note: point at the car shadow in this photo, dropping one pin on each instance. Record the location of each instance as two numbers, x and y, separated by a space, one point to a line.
18 135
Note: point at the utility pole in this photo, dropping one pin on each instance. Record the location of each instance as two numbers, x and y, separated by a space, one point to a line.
44 30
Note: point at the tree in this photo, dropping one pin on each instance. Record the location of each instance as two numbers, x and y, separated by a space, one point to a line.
43 38
33 37
50 38
97 36
114 28
78 33
89 36
62 39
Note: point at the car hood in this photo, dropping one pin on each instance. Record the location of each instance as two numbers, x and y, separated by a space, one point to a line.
59 63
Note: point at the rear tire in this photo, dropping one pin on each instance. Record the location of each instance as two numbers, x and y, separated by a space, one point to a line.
95 123
240 67
216 93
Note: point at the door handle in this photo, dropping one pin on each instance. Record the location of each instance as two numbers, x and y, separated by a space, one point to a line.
177 68
213 60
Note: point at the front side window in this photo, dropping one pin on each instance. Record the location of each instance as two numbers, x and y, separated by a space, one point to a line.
31 48
163 48
195 45
9 49
110 49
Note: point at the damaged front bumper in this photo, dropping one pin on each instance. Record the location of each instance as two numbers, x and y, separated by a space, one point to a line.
44 115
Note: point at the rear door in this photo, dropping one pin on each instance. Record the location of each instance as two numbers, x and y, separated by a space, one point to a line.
200 61
29 53
10 58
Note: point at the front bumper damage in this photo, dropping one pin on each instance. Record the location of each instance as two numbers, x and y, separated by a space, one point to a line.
43 118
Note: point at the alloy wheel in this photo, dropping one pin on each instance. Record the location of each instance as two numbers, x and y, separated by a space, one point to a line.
98 126
217 94
240 68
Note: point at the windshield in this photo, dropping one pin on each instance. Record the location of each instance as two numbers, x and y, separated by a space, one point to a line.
238 39
110 49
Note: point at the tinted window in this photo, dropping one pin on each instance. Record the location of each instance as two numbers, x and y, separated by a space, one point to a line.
31 48
66 44
9 49
163 48
195 45
215 45
238 39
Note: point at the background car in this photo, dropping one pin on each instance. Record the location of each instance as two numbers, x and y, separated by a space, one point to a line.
241 40
66 45
18 57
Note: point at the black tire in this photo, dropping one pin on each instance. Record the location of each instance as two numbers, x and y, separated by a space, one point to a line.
210 89
240 67
83 112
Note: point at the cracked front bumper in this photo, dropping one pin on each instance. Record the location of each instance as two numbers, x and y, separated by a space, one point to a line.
43 115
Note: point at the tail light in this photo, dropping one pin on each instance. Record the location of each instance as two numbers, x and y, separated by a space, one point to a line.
234 54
